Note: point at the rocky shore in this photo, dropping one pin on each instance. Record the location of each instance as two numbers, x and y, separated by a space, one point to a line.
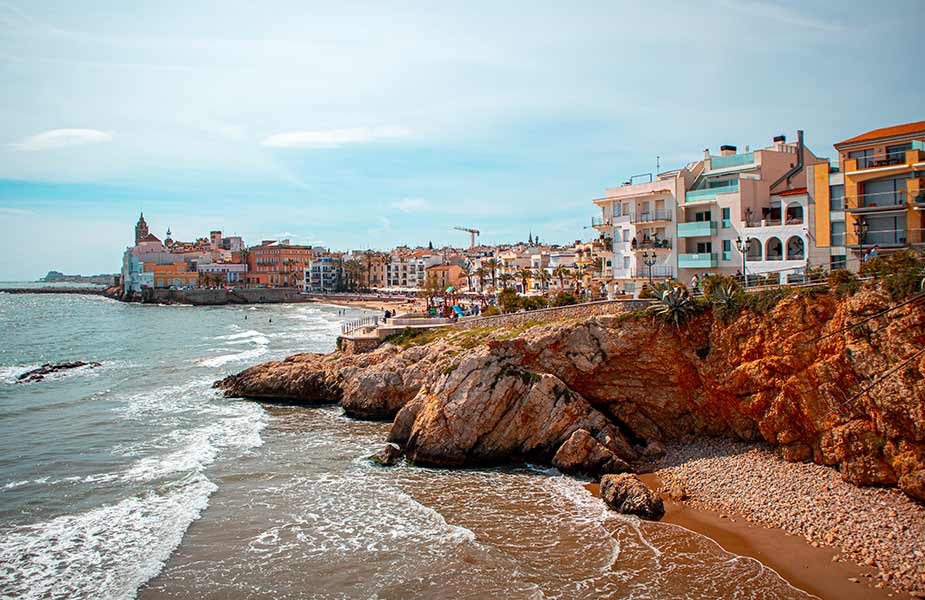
876 527
606 395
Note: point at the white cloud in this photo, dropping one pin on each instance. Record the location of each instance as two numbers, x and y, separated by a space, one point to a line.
385 226
333 138
15 212
412 205
62 138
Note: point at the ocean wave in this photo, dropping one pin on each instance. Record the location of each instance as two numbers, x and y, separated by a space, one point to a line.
10 374
222 359
107 552
244 334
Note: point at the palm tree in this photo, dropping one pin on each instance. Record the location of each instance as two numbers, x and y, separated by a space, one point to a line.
505 278
245 254
561 273
354 270
524 275
480 273
467 271
544 277
492 265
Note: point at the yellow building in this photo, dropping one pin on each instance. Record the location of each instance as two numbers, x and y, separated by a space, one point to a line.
884 188
172 275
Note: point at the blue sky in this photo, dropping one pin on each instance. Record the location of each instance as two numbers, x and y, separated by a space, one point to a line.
372 124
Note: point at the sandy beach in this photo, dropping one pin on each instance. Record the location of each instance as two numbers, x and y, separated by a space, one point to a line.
823 535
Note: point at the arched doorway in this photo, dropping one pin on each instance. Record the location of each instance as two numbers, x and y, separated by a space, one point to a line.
796 248
794 215
773 249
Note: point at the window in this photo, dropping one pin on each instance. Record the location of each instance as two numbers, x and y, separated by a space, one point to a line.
837 197
838 262
726 219
626 209
896 155
702 216
626 262
865 158
626 235
704 247
727 247
837 231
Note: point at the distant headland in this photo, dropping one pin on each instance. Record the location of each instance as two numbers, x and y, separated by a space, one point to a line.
59 277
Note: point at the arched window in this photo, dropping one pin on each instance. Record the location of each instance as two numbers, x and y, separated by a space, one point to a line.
754 249
796 248
773 249
794 215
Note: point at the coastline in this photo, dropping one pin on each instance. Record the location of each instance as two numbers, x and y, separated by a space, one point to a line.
806 568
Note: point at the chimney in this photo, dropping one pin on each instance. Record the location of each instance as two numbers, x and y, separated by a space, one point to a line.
779 141
727 150
706 153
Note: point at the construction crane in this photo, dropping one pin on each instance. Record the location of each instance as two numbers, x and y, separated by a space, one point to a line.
472 234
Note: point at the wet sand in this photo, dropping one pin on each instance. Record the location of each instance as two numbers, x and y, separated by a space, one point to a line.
803 566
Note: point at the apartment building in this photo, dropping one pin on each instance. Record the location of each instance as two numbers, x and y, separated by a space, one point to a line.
323 274
884 188
277 263
408 270
728 213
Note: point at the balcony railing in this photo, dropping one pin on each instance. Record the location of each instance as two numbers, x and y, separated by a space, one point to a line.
876 201
651 245
697 229
882 160
710 193
601 222
652 216
697 261
735 160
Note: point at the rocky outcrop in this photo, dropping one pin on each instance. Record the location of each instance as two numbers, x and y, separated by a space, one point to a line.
486 411
595 396
388 456
40 373
627 494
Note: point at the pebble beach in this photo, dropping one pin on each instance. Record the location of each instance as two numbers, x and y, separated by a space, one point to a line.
875 527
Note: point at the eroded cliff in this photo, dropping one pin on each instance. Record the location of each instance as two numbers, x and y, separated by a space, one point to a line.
596 394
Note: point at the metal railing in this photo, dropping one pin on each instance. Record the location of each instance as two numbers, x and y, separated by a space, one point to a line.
599 222
881 160
651 216
351 326
874 200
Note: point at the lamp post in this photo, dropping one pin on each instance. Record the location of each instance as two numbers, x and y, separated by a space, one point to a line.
649 260
742 247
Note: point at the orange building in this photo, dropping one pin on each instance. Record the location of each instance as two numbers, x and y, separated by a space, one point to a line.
173 275
277 264
884 173
446 275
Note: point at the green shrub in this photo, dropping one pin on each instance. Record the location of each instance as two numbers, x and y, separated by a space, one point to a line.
843 282
675 306
899 273
564 299
509 300
711 283
491 311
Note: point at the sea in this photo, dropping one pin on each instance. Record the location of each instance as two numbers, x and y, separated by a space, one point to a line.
136 479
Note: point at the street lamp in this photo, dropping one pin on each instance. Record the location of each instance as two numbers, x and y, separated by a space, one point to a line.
860 230
649 260
742 247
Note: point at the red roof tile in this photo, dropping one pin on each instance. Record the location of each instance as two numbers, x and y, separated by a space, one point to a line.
793 192
886 132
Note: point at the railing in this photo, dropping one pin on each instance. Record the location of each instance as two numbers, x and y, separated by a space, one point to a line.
697 229
710 193
882 160
659 271
735 160
875 200
599 222
652 216
660 245
697 261
351 326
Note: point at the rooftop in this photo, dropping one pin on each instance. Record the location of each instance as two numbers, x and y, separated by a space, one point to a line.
886 132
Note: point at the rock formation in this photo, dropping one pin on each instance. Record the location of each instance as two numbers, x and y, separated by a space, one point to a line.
627 494
40 373
598 395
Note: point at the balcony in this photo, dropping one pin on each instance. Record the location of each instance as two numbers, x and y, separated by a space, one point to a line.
661 245
653 216
877 202
697 229
697 261
710 193
601 223
735 160
887 159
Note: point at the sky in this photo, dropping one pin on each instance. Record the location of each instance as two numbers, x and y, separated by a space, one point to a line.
366 125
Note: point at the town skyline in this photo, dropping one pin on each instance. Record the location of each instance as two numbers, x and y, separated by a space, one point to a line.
351 129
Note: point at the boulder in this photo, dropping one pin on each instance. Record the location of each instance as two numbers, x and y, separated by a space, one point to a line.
913 484
388 456
677 492
584 455
39 374
627 494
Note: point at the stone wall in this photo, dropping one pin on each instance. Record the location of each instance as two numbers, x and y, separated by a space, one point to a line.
575 311
357 345
238 296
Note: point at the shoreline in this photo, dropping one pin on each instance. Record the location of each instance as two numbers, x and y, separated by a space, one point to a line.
811 570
